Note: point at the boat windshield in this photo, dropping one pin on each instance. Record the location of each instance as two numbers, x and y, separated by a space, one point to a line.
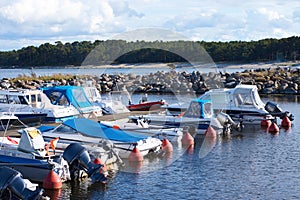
64 129
17 99
194 110
257 99
207 110
243 98
58 98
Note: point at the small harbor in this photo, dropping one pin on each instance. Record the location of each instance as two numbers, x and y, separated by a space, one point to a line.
246 161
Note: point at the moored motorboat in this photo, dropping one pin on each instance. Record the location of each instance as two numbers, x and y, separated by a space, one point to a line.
75 96
198 115
28 155
16 102
55 113
145 105
91 132
31 157
243 103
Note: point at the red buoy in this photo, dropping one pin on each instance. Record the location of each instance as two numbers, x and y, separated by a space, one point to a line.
266 123
210 132
273 128
135 155
166 146
52 181
286 122
187 139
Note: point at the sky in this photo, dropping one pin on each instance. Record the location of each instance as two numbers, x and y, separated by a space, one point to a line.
34 22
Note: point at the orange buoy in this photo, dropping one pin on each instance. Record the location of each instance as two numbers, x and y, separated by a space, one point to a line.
210 132
166 146
286 122
187 139
99 162
135 155
273 128
265 123
52 181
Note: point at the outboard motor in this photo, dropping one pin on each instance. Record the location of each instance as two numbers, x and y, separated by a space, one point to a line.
276 111
227 122
79 159
13 186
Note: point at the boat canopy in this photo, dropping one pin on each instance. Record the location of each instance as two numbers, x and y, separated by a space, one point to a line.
243 97
92 128
66 95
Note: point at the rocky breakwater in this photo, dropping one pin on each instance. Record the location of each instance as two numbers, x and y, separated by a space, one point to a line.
269 81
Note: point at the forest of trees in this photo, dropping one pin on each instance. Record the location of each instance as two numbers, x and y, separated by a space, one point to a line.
119 51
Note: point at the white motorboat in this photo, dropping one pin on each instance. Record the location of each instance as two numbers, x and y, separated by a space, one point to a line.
30 156
87 131
198 115
55 113
16 102
75 96
243 103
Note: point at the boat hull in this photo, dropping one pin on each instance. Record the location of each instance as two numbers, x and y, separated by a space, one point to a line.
146 106
31 169
6 123
29 119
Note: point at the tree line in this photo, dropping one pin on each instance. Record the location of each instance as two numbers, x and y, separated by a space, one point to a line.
120 51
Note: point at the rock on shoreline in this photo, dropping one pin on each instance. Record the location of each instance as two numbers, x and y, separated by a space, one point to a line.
268 80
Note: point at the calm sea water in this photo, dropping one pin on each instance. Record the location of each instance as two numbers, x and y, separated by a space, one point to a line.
254 165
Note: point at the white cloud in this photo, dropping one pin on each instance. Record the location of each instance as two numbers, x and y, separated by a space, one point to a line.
35 18
36 21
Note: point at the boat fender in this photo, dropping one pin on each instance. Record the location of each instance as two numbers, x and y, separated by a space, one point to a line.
187 139
166 146
210 132
286 122
265 123
135 155
52 181
273 128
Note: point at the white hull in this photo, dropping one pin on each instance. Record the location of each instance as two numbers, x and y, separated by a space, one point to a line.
123 149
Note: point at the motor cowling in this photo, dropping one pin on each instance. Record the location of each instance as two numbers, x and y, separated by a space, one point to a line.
276 111
13 186
228 123
79 159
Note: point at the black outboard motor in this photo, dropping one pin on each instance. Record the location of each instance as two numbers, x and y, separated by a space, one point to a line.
12 186
276 111
79 159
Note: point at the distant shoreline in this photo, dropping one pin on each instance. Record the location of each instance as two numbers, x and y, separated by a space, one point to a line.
224 65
